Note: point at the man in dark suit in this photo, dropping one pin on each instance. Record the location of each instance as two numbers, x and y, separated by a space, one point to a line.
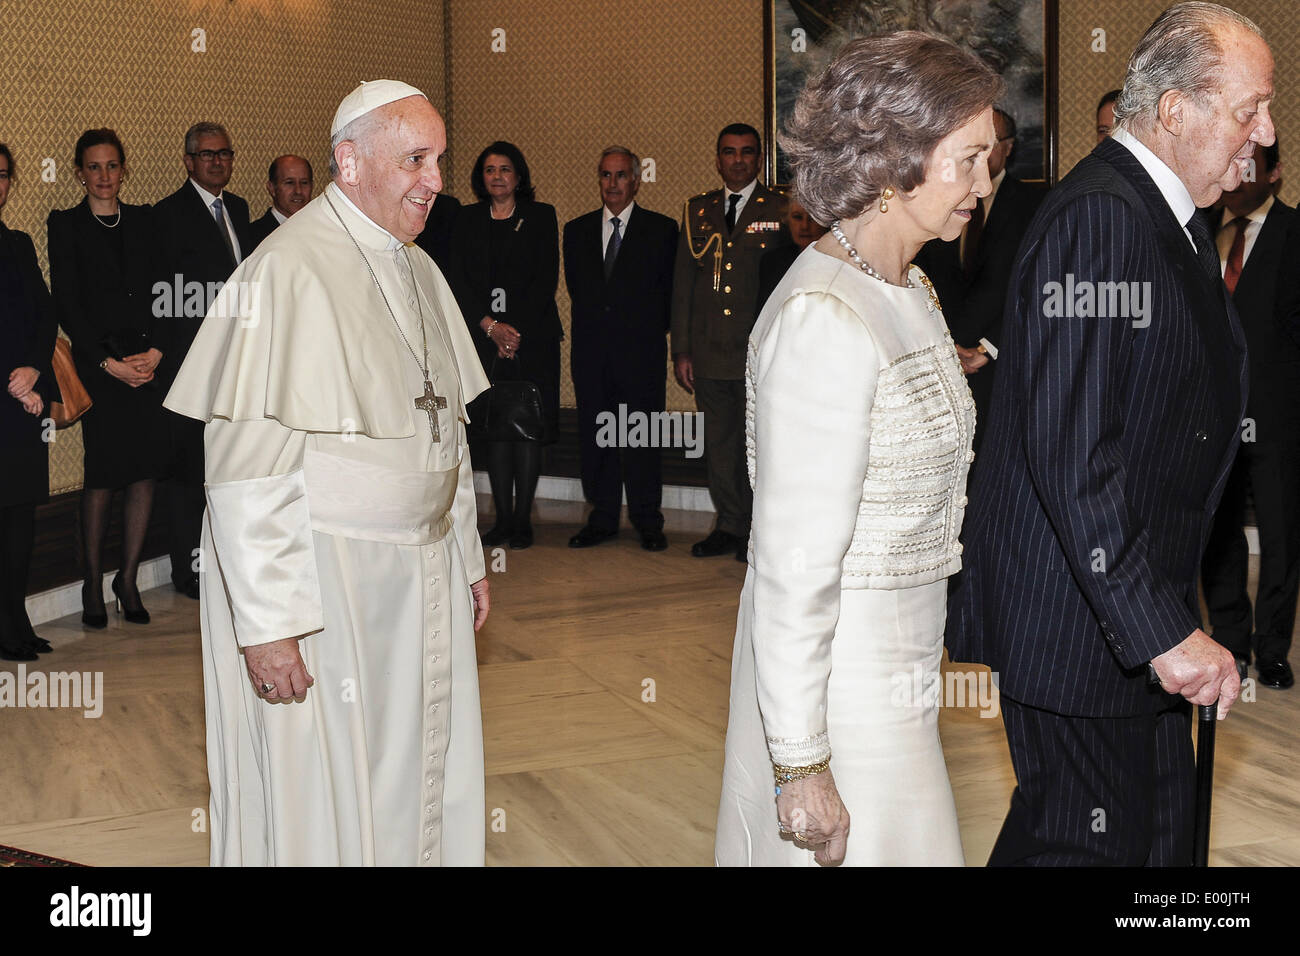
1114 425
289 184
715 286
971 273
203 234
618 266
1259 248
438 230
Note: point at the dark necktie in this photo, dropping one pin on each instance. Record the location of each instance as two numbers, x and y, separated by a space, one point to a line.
732 202
225 233
974 229
1205 248
611 250
1236 254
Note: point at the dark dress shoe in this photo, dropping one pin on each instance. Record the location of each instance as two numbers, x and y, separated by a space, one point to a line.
189 587
1276 674
522 538
499 534
23 653
137 614
589 537
1243 665
654 540
39 644
719 542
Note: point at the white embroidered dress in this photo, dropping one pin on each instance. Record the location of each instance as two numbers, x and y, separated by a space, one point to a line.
859 425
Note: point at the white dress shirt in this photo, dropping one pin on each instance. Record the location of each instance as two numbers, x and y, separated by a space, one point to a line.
1171 187
208 199
1224 236
607 228
744 195
280 217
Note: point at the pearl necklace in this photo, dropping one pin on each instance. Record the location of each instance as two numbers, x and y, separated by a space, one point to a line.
100 219
843 240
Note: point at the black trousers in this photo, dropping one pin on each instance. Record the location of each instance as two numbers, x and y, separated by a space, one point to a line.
17 535
722 403
609 467
183 492
1271 472
1098 791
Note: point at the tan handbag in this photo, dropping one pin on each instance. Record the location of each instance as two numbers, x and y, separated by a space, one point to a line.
76 400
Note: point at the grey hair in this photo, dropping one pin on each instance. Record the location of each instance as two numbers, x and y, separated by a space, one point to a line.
622 151
359 132
193 134
873 118
1180 51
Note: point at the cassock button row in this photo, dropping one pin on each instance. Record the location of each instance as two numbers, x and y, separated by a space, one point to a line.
961 502
427 854
956 548
970 456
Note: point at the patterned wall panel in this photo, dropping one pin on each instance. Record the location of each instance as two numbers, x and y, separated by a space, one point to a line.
659 78
273 72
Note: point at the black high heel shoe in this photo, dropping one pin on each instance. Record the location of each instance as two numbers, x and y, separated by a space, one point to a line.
97 621
137 615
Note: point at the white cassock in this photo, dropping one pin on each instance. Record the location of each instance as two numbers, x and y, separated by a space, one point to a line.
334 516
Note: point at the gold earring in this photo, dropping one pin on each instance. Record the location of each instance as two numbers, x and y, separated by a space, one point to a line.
886 195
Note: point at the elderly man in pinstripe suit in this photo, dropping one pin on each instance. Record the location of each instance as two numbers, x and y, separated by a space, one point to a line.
1114 423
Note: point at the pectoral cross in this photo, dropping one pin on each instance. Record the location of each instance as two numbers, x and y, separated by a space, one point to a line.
430 403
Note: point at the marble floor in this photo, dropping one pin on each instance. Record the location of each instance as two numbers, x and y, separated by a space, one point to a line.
604 679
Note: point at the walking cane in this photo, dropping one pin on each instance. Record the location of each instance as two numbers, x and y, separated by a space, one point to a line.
1206 719
1207 716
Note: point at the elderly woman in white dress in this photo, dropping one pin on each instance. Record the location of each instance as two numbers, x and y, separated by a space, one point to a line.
859 435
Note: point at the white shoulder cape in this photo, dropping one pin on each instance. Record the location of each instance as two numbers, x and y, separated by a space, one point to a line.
299 334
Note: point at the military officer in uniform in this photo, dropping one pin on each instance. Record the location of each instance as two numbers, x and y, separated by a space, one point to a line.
715 286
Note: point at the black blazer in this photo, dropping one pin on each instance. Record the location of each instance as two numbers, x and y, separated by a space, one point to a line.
973 306
1107 453
191 246
624 320
93 296
259 229
531 272
27 331
435 238
1267 296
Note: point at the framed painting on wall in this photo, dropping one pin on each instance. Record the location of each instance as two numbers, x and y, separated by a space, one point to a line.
1016 37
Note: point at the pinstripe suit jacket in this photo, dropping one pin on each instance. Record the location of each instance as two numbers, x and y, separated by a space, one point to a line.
1107 451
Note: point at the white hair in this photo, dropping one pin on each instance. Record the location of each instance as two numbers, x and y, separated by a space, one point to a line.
359 131
1180 51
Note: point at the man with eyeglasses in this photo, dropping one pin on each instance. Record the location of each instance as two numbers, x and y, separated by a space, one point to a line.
204 234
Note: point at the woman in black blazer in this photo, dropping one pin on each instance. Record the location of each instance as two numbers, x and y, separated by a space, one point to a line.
504 269
101 275
27 330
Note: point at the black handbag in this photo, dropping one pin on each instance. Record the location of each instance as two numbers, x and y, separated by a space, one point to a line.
508 411
123 342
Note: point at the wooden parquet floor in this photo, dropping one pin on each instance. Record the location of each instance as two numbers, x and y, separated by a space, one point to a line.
604 677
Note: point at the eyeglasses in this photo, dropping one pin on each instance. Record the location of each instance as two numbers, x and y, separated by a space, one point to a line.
208 155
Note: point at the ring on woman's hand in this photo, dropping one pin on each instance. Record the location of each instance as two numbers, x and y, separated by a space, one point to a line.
267 688
801 836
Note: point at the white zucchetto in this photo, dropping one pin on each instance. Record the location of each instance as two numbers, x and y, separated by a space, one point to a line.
370 96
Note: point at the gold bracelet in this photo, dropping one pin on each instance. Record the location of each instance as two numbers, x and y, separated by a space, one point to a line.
788 774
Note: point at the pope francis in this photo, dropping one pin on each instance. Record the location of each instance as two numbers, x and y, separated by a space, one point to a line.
340 539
